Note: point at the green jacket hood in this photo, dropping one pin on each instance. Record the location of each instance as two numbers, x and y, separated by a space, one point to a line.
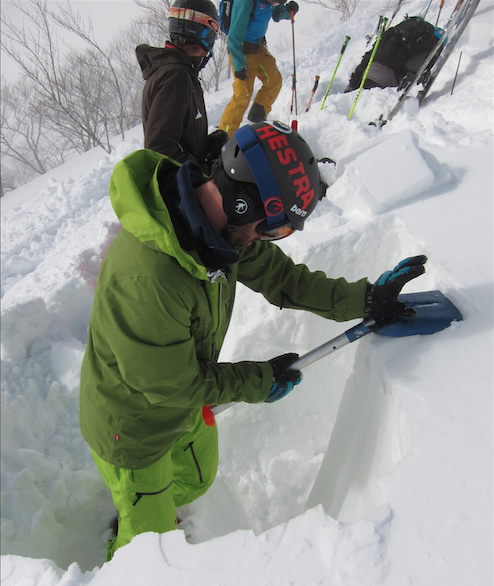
138 204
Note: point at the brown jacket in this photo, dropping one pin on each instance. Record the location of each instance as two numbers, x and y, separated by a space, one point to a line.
173 110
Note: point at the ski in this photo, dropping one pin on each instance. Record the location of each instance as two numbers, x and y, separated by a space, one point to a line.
448 49
453 30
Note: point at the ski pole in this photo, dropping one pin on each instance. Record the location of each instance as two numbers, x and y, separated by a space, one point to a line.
370 37
456 74
335 70
316 83
376 45
425 9
439 13
395 12
294 76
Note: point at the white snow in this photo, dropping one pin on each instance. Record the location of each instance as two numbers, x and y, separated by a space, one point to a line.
377 470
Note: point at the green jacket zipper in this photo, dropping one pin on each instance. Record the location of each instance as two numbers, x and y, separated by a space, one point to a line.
139 495
191 447
214 356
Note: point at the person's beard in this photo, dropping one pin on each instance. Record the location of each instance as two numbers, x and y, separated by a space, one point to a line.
237 236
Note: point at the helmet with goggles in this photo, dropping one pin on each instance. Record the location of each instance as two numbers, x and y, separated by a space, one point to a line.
267 171
193 22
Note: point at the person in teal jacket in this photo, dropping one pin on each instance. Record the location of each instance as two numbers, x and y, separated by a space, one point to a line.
163 303
250 58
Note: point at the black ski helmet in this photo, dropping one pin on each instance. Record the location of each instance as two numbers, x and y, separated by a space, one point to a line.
267 170
193 22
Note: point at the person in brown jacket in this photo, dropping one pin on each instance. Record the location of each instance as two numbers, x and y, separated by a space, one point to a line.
173 109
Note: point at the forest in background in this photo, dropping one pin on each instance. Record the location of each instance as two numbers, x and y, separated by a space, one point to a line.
66 100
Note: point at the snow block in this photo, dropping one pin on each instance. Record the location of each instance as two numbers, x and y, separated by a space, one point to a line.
386 175
66 360
21 325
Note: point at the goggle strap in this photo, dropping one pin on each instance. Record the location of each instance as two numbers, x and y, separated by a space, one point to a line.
261 169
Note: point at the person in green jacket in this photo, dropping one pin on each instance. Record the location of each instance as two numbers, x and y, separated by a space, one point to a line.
163 303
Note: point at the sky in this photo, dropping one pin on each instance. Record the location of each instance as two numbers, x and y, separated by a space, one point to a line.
378 469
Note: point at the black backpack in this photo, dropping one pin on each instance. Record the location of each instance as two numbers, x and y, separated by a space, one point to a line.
226 7
405 42
403 48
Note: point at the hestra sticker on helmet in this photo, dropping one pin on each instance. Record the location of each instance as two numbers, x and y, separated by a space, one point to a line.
278 143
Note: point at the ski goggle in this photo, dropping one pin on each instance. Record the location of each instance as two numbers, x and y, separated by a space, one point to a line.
267 232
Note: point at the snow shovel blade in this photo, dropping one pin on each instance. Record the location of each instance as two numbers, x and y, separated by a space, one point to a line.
435 312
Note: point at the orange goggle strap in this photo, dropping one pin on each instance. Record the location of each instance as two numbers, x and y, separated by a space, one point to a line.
194 16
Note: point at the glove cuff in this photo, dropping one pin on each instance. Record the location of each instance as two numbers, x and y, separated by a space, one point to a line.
369 302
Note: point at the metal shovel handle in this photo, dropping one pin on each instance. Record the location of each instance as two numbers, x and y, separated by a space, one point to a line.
316 354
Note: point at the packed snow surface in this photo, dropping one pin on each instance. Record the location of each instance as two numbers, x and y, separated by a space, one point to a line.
377 470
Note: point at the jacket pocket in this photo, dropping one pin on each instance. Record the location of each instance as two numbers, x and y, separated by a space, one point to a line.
191 448
139 495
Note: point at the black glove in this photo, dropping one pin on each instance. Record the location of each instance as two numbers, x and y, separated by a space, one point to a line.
242 74
283 379
215 141
292 7
381 298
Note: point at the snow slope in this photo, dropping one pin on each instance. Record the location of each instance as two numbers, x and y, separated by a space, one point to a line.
378 469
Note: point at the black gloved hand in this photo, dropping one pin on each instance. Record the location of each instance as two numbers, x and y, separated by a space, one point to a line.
242 74
215 141
292 7
284 379
381 298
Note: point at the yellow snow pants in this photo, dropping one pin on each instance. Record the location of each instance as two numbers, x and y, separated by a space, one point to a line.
146 498
263 66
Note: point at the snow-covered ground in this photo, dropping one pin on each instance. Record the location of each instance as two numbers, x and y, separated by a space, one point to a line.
377 470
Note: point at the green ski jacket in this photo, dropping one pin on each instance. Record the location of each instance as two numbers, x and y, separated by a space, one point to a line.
160 316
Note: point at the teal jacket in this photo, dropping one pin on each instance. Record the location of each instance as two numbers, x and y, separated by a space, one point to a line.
249 23
160 316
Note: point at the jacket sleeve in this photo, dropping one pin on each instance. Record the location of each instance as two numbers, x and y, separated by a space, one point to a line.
168 113
152 340
265 268
241 12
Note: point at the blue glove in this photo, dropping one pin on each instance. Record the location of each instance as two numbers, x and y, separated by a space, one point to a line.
284 379
381 298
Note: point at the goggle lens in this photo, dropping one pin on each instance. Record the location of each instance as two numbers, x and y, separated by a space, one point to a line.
274 233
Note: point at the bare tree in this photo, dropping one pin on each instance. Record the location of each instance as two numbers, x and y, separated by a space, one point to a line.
218 67
24 135
36 49
74 23
155 20
345 7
